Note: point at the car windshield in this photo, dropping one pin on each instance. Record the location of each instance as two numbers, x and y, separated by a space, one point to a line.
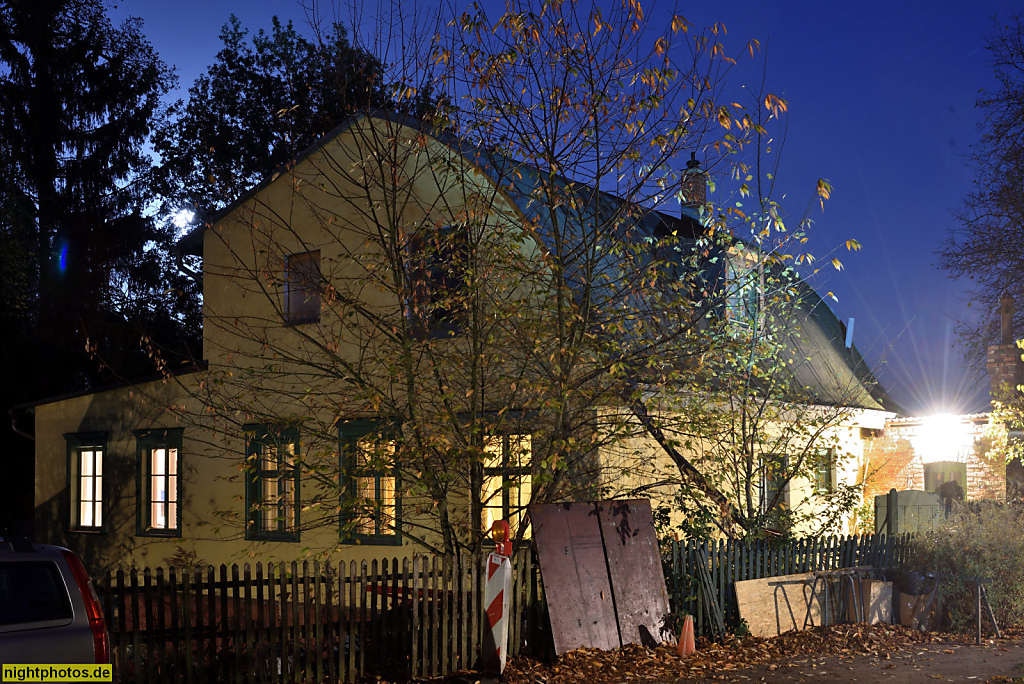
32 591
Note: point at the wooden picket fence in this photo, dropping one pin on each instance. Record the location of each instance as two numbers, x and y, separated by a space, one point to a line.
726 562
399 618
396 618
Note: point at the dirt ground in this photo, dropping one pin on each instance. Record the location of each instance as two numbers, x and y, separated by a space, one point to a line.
997 660
838 653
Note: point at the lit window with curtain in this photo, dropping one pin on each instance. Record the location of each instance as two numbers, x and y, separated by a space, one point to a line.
158 454
371 505
272 483
507 480
86 453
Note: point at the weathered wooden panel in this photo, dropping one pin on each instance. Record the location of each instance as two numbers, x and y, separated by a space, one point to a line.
570 551
634 565
875 602
756 600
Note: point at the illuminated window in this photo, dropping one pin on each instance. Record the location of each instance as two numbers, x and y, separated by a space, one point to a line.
437 272
85 474
272 484
371 505
159 486
507 481
302 288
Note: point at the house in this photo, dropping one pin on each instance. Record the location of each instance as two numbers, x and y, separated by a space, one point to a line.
393 358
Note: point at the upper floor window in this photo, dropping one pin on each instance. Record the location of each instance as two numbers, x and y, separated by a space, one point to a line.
85 473
159 486
371 505
744 291
507 480
437 273
272 483
302 288
824 471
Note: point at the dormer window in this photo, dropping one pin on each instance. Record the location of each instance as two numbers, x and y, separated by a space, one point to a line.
744 292
302 288
438 260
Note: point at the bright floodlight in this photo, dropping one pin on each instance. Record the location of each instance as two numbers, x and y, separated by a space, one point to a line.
943 437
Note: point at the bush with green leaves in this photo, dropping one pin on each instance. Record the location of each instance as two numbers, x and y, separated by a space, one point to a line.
980 539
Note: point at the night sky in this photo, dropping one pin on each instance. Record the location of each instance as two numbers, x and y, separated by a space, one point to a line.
881 102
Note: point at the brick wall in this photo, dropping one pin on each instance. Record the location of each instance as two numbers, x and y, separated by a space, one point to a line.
1003 364
894 462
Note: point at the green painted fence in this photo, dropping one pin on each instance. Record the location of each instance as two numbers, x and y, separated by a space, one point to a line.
726 562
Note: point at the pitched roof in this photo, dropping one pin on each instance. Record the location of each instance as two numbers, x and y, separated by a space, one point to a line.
834 373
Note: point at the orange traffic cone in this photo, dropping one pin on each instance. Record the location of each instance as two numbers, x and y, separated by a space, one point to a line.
686 643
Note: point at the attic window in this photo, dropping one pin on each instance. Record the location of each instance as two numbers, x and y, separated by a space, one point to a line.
302 288
437 281
745 290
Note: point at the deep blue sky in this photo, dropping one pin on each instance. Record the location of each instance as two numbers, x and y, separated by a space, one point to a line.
881 102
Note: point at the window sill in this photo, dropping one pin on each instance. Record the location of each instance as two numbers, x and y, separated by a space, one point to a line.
390 540
171 534
301 321
271 537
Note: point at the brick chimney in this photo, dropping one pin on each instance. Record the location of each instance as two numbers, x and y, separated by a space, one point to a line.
694 187
1004 359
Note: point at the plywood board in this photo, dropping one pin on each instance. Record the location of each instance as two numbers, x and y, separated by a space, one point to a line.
634 565
756 600
875 600
570 551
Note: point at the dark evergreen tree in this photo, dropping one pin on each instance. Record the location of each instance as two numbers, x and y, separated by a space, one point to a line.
81 263
78 97
259 104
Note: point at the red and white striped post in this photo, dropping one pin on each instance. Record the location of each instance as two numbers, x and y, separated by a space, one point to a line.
497 594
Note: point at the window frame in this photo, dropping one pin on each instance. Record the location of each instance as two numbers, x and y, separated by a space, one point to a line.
349 436
298 281
443 266
507 472
744 297
256 438
931 473
770 483
146 441
825 470
76 443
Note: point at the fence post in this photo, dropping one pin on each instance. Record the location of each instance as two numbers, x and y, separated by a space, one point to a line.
892 513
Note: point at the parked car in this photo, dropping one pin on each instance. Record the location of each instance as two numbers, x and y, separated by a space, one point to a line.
49 611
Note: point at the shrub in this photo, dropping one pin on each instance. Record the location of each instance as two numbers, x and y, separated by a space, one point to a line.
983 539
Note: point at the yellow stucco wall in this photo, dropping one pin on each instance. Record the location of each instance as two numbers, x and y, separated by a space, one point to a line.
212 486
640 466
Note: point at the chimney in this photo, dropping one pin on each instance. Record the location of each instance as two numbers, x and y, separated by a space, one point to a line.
1004 359
694 187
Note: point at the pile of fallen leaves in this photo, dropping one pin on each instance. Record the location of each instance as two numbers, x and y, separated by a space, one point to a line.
639 664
